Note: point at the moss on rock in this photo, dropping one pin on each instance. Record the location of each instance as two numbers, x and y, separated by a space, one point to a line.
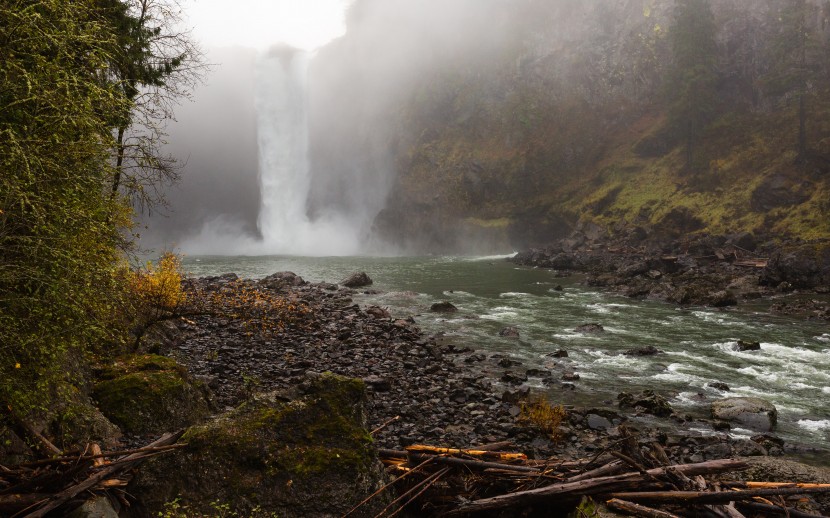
147 393
310 456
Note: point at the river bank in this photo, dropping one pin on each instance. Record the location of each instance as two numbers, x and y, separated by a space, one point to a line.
444 394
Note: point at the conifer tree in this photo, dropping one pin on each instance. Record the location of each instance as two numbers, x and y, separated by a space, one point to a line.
692 78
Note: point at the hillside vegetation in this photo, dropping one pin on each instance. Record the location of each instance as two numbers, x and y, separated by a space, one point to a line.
680 116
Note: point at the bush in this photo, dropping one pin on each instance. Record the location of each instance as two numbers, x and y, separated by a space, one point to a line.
538 413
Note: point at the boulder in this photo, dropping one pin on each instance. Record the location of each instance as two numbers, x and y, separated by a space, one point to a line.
648 350
747 346
150 394
310 456
590 329
357 280
754 413
282 280
509 332
443 307
647 402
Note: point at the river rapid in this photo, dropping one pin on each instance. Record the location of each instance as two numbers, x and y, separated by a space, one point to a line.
792 369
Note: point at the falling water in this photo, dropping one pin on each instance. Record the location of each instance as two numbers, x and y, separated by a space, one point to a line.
282 124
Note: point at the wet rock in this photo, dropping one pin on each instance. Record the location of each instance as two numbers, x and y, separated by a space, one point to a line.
648 350
515 396
721 426
590 329
647 402
96 507
719 386
560 353
379 312
357 280
509 332
310 456
513 378
150 394
722 299
507 362
597 422
378 384
747 346
570 376
754 413
443 307
281 280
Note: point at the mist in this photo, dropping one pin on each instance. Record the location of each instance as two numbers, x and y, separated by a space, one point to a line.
434 126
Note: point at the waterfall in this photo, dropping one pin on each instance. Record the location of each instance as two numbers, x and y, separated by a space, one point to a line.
282 126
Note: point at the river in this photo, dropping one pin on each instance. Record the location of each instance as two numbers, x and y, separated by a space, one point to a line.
792 369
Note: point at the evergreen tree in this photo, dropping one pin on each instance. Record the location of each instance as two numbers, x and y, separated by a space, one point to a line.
796 60
692 78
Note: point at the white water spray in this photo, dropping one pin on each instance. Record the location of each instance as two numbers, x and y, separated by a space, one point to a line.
281 101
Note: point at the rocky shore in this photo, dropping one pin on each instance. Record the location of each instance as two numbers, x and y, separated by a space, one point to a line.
443 395
705 270
255 387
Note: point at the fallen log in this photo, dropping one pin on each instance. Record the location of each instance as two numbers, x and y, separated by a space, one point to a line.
435 450
59 499
470 463
600 485
777 510
637 509
12 504
721 497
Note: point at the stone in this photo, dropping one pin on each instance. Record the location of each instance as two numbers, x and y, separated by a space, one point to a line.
443 307
597 422
754 413
559 353
747 346
648 350
150 394
95 507
282 280
646 401
719 386
590 328
357 280
310 455
509 332
570 376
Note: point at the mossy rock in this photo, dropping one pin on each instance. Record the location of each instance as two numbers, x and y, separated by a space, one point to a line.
310 456
150 394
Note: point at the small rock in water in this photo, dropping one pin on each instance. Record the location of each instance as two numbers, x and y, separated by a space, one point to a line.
747 346
357 280
560 353
590 328
648 350
570 376
509 332
719 385
443 307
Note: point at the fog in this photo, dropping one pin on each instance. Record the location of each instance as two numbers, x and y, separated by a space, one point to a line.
305 164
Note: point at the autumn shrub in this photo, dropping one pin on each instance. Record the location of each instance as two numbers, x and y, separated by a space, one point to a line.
155 293
259 311
537 412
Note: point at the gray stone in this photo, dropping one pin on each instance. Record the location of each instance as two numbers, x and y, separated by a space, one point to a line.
753 413
95 507
597 422
357 280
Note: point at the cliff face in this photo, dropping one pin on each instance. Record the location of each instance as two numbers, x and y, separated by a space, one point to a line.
503 124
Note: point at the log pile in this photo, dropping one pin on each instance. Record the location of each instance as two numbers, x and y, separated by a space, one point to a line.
62 482
635 479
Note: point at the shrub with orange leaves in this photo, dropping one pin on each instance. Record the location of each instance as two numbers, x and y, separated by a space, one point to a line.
159 287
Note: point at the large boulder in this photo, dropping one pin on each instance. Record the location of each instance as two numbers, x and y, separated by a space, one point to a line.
754 413
282 281
310 456
357 280
150 394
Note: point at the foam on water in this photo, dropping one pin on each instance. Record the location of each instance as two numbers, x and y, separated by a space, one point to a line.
815 425
514 294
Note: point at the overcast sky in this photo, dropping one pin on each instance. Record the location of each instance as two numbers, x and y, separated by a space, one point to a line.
305 24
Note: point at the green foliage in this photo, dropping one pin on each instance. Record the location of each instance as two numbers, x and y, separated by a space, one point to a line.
58 232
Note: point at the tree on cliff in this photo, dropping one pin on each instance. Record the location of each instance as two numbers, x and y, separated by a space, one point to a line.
692 76
797 59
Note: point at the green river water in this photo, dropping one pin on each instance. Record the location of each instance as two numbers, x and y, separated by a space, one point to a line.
792 370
